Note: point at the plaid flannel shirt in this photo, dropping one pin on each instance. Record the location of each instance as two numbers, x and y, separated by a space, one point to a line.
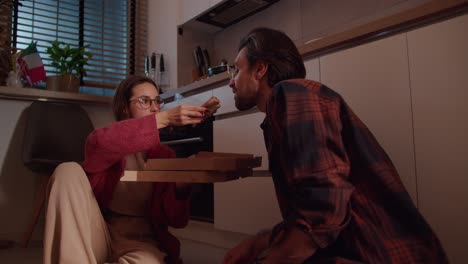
335 182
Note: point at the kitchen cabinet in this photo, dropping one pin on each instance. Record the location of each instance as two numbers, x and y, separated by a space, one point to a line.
312 69
247 205
192 8
241 134
226 97
374 81
438 65
215 2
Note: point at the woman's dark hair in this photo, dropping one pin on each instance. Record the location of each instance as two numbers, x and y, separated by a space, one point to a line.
124 92
277 50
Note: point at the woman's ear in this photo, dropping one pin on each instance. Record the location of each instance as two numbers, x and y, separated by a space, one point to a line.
126 113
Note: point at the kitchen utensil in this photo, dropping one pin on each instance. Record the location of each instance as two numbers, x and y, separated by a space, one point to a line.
218 69
153 66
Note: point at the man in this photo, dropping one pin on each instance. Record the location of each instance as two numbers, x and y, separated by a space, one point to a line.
341 198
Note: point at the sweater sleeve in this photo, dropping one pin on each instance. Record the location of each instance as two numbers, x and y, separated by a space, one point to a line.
108 145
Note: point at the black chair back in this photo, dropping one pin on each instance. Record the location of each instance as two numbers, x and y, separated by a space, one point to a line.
55 133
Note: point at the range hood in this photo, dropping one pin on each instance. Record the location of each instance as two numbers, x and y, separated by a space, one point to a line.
232 11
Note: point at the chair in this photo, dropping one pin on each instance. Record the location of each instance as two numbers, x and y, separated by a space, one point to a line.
55 133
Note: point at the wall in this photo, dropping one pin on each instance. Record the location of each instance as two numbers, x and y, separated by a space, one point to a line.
163 17
18 185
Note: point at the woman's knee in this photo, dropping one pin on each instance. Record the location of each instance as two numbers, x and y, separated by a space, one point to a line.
68 173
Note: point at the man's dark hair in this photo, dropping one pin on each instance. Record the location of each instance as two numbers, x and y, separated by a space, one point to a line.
277 50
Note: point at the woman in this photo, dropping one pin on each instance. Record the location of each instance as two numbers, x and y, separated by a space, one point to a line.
91 216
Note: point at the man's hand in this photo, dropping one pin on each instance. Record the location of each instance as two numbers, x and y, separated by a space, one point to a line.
248 250
291 246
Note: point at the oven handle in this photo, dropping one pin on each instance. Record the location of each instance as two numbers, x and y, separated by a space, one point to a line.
182 141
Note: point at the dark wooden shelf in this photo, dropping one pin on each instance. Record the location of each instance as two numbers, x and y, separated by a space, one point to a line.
33 94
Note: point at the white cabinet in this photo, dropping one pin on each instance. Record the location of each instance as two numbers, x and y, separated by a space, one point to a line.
226 97
246 206
250 204
241 134
312 70
374 81
438 58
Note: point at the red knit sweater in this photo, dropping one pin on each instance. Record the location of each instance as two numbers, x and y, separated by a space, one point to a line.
106 152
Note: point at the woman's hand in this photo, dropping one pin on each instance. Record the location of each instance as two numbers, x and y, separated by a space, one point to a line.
180 115
212 105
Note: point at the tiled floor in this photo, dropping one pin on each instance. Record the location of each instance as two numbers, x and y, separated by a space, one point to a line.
200 242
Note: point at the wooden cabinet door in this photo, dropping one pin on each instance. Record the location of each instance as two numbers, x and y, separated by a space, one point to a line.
374 80
438 57
247 205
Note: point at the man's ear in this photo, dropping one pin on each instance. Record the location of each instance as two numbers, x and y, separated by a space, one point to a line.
261 70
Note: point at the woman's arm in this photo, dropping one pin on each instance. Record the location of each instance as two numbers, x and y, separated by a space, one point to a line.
108 145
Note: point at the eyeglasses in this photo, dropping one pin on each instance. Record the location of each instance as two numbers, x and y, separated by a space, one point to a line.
232 71
144 102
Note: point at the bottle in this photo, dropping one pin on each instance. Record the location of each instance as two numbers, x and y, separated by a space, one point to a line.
14 80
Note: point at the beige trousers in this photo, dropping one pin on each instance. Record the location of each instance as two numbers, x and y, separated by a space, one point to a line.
76 232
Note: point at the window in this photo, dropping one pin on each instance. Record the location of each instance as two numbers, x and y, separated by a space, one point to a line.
115 31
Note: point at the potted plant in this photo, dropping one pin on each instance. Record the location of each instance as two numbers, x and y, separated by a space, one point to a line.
70 63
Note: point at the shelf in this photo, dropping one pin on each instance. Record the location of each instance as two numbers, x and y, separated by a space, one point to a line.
34 94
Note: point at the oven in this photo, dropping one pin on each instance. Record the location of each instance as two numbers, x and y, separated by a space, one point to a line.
186 141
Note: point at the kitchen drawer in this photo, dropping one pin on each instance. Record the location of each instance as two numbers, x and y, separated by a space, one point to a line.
226 97
241 134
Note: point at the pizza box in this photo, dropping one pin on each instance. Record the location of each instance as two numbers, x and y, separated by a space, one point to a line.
203 167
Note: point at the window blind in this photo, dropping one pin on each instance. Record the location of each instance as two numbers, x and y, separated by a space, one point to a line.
109 27
5 39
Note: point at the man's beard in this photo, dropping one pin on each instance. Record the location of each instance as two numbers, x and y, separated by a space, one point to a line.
244 103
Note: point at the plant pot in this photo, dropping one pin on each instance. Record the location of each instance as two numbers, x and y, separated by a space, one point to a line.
66 83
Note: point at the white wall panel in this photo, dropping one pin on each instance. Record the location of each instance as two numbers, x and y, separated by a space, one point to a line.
439 80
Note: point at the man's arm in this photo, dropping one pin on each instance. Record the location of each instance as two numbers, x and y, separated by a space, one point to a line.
306 130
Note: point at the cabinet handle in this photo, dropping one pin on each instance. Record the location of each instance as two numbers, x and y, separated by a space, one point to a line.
182 141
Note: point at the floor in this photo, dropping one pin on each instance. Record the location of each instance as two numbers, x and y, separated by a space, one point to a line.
32 255
192 253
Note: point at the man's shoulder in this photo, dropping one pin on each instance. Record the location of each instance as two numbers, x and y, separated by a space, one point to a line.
305 86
